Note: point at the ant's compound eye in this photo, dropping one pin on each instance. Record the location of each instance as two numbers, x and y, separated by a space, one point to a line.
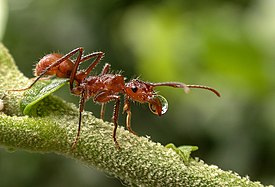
134 89
163 102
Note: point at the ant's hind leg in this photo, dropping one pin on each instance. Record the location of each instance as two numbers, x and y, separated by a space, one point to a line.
44 78
81 108
60 60
56 63
34 79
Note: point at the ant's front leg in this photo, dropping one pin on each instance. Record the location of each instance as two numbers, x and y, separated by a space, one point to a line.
104 97
127 109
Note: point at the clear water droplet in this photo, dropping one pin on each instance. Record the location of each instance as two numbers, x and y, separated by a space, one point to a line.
164 104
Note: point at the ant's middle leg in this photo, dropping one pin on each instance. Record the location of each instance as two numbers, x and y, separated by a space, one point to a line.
99 55
104 97
82 75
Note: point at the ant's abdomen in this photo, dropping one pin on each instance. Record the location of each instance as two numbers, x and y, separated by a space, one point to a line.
63 70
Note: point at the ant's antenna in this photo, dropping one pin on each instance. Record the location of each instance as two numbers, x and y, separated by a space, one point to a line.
206 88
171 84
184 86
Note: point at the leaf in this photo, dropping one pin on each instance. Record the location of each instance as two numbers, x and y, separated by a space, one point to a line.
184 151
38 92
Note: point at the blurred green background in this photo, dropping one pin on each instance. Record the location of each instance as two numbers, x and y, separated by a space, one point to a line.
228 45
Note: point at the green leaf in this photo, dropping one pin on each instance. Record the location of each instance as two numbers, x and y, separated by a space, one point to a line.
38 92
184 151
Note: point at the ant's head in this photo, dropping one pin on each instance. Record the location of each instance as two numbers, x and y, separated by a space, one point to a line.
144 92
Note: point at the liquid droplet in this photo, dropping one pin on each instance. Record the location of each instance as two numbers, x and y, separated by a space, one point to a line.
164 104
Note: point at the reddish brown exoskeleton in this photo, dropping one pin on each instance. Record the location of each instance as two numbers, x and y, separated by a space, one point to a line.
105 87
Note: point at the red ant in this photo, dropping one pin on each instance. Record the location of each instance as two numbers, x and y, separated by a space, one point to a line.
104 87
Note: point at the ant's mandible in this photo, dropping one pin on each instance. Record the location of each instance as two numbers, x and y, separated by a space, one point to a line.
104 87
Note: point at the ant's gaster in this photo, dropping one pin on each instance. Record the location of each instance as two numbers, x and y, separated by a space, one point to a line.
104 87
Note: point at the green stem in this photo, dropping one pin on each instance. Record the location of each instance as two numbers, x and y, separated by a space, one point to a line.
139 162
